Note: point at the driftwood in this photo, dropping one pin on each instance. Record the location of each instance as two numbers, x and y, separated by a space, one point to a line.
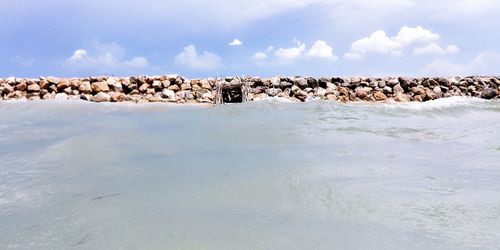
235 91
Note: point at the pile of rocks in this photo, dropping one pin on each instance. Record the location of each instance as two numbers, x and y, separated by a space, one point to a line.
177 89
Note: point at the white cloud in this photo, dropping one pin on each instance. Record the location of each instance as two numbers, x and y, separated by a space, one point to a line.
105 57
485 63
235 42
321 49
270 49
79 54
378 42
435 49
408 35
190 58
137 62
291 53
259 56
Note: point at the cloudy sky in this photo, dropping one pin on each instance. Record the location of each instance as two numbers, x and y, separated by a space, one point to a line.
235 37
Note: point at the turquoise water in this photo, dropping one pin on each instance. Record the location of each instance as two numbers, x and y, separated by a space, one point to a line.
262 175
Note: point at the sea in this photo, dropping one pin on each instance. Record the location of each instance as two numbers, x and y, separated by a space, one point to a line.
270 174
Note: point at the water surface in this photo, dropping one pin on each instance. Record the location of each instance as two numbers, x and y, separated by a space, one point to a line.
261 175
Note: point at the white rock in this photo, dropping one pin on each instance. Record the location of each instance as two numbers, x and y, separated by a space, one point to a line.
61 96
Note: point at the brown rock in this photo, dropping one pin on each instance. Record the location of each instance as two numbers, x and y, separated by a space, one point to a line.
21 86
398 89
101 97
186 86
379 96
100 87
400 97
47 96
143 88
205 84
174 88
33 88
44 84
116 96
85 88
63 84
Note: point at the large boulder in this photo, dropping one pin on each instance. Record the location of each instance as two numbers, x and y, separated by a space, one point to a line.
100 87
85 88
168 94
33 88
101 97
379 96
489 93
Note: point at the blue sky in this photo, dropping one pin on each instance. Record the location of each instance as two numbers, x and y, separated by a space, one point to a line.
260 38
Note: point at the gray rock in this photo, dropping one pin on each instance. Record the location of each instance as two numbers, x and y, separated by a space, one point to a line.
301 83
489 93
273 91
398 89
168 94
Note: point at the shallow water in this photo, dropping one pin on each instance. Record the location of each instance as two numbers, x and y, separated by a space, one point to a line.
262 175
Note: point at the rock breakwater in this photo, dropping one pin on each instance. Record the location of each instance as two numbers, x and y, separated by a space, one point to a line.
177 89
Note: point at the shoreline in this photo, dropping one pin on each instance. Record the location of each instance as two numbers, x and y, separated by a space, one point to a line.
175 89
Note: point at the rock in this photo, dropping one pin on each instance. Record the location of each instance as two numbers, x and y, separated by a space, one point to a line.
100 87
320 92
387 90
295 89
21 86
398 89
174 88
114 84
400 97
391 82
47 96
379 96
437 90
208 96
272 91
430 95
85 88
143 88
489 93
418 90
186 86
301 95
68 90
8 89
301 83
11 81
61 96
204 84
44 84
168 94
86 97
62 84
286 84
157 84
33 88
381 84
116 96
361 92
101 97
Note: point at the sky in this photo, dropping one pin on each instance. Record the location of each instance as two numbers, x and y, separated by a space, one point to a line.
251 38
